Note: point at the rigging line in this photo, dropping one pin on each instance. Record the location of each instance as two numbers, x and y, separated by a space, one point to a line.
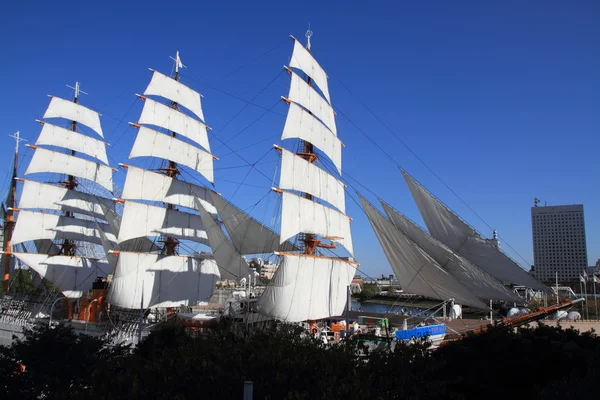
421 161
252 145
252 61
249 125
244 166
246 106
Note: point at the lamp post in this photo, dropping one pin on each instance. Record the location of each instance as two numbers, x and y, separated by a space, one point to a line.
87 317
51 309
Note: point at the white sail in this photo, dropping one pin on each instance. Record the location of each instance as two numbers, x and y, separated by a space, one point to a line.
303 94
302 125
416 271
142 244
307 288
301 215
51 197
53 135
141 220
151 143
33 225
161 281
155 113
248 235
52 161
478 281
230 262
162 85
303 60
141 184
73 276
298 174
466 241
60 108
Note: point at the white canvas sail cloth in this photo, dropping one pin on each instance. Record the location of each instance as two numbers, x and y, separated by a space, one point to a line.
151 143
230 262
60 108
155 113
162 85
301 215
478 281
73 276
53 135
247 235
51 197
298 174
53 161
464 240
141 220
37 225
307 288
303 94
302 125
416 271
141 184
161 281
304 61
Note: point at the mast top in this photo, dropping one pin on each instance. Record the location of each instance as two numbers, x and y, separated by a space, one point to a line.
308 35
178 63
77 91
18 139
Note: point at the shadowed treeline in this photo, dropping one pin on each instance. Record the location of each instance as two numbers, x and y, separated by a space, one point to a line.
544 363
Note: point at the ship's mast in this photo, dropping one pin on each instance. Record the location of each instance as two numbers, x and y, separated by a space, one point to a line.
69 246
172 171
306 151
9 219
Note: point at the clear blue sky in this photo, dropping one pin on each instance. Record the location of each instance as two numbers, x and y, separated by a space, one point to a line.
501 99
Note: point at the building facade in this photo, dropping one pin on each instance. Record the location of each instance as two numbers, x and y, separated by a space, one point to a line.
559 244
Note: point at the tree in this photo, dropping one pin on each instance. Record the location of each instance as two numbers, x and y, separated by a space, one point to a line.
368 292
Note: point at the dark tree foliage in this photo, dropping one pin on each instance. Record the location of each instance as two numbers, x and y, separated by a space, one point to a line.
171 364
368 292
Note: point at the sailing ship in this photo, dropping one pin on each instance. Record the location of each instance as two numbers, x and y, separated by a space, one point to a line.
141 266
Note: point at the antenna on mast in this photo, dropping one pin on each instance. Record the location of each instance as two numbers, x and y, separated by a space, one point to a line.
18 139
308 35
77 91
178 63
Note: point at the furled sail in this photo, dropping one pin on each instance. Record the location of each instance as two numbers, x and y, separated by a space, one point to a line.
141 184
229 260
478 281
53 135
169 88
51 197
306 96
37 225
44 160
247 234
141 220
303 60
157 114
150 143
307 288
73 276
301 215
60 108
302 125
466 241
161 281
298 174
416 270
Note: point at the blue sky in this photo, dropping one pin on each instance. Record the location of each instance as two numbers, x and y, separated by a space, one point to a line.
501 100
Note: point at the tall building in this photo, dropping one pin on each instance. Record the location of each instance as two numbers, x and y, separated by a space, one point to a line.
558 242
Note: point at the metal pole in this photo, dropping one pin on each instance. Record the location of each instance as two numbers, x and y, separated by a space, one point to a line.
491 312
557 301
595 298
348 305
248 390
52 308
587 311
